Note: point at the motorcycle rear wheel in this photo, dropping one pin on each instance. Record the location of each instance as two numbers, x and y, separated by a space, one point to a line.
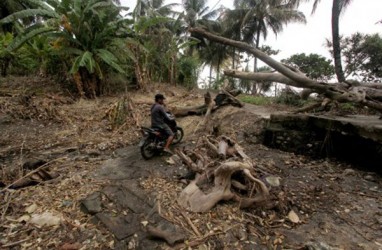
148 149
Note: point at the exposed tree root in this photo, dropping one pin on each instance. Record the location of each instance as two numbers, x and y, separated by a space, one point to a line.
214 180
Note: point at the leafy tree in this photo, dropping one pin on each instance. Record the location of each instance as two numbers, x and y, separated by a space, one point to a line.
313 65
372 48
92 32
262 15
362 55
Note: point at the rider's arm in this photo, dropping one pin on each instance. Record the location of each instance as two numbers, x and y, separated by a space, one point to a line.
163 112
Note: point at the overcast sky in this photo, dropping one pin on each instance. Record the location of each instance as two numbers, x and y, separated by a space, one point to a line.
360 16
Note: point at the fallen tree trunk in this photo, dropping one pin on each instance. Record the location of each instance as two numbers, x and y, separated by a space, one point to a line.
368 95
225 97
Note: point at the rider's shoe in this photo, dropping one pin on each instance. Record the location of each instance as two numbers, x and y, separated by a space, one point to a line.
168 151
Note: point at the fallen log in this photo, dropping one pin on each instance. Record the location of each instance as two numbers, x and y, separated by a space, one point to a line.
224 97
365 94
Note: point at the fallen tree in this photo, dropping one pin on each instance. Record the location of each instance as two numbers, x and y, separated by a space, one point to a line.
222 172
363 93
225 97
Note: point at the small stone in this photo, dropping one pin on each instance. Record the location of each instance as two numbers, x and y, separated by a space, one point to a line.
369 177
92 204
349 171
67 203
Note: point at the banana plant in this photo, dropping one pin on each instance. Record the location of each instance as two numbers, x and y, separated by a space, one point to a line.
5 55
91 33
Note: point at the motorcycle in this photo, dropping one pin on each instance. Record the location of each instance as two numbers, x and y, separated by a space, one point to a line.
154 139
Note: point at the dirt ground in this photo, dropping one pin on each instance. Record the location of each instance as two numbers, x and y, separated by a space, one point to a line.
335 206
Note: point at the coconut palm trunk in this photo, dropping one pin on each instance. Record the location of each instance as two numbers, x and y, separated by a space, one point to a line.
254 84
336 11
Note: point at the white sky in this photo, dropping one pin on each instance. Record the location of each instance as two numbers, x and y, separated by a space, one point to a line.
360 16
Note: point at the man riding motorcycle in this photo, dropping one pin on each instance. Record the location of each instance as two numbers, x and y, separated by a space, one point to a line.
159 118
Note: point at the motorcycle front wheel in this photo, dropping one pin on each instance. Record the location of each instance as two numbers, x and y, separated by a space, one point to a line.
148 149
178 136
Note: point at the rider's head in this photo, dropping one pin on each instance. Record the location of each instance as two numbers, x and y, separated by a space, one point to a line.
159 98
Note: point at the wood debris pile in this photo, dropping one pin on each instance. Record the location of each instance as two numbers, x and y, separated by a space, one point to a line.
27 106
223 172
225 225
48 215
123 113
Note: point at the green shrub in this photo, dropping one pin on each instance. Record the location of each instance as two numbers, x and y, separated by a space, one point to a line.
256 100
289 97
188 71
347 106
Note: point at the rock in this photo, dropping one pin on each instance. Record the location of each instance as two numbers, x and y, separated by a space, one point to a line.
274 181
349 171
121 226
369 177
166 231
319 246
293 217
45 219
102 146
92 204
69 246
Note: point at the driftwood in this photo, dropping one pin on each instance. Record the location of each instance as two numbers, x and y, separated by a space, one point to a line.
214 177
41 171
169 236
363 93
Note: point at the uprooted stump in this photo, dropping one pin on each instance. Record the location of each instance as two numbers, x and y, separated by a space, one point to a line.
223 172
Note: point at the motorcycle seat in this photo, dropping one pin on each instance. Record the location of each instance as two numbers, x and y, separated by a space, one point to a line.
151 130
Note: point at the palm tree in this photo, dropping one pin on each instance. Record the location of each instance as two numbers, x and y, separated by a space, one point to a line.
338 8
262 15
233 21
214 55
198 14
153 8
